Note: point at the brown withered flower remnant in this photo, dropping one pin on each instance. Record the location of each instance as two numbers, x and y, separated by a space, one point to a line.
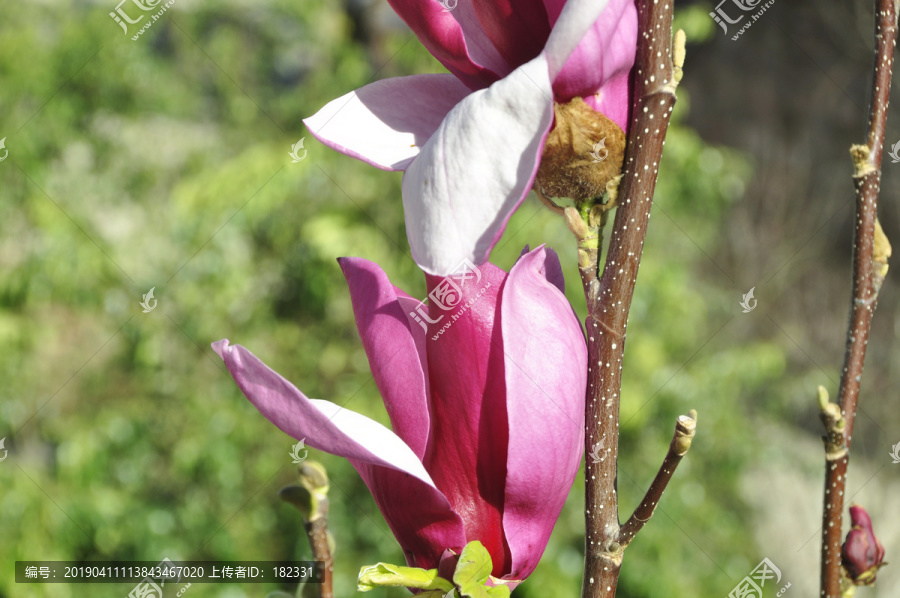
584 151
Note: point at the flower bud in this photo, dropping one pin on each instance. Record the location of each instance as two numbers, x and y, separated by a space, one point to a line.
862 553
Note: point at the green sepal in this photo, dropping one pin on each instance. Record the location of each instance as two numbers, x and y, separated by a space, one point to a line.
470 579
474 565
482 591
472 572
385 574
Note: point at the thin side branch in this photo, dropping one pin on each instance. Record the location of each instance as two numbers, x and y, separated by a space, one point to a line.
317 532
609 295
685 428
869 267
311 499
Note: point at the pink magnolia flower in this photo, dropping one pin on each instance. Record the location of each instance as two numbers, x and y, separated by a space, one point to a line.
486 407
470 143
862 553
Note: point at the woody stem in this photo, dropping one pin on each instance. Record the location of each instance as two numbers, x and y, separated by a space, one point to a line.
609 293
870 252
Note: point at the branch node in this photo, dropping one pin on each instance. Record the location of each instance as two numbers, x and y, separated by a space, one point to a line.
861 164
576 224
588 237
835 427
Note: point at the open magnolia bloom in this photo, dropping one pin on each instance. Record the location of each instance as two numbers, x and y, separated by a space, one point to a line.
484 387
471 142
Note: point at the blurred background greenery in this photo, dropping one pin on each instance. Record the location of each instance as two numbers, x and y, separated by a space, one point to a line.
163 162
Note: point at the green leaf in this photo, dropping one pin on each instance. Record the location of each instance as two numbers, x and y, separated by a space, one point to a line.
482 591
472 571
385 574
501 591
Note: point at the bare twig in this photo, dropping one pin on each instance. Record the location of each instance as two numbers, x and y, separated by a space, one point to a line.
311 499
609 296
317 531
869 267
685 427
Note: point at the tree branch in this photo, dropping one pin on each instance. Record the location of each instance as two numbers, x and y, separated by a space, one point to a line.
685 427
869 268
609 296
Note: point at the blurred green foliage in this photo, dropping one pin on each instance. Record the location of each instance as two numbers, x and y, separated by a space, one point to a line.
164 163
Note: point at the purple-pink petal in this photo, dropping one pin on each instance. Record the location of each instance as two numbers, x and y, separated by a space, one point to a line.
613 100
553 8
390 345
517 29
387 122
605 53
575 20
546 364
467 453
416 511
455 39
460 192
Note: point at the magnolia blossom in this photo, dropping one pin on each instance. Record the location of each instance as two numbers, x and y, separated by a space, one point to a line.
484 387
470 142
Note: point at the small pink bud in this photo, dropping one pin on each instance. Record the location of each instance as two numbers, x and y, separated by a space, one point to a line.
862 554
